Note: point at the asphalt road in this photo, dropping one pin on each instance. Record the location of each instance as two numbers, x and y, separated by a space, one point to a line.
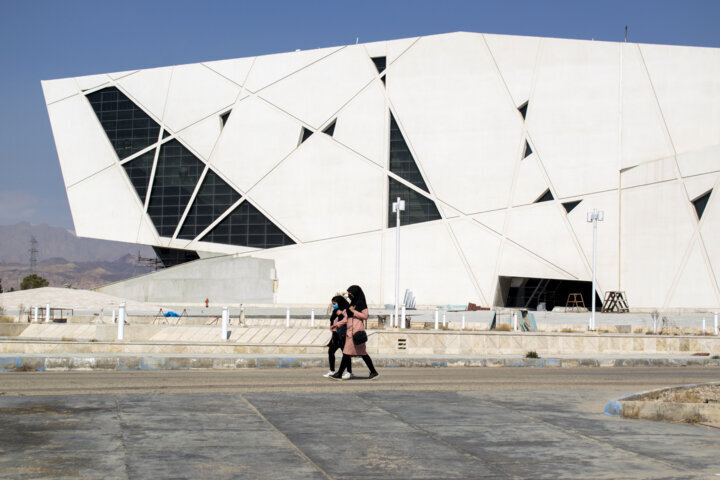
409 423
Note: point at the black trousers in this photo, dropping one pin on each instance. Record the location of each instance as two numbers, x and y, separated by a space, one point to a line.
332 348
346 363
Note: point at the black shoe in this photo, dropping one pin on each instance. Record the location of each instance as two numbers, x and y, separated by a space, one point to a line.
337 376
373 375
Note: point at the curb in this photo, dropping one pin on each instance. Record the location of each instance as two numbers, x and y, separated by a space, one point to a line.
636 406
121 362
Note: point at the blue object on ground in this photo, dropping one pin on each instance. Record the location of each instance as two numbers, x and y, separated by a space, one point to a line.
172 314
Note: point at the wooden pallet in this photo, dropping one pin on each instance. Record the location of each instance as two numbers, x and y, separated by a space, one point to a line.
575 303
615 301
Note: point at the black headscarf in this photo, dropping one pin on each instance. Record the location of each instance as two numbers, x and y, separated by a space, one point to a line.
342 305
357 298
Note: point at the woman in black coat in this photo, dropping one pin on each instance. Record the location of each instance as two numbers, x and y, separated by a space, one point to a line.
337 341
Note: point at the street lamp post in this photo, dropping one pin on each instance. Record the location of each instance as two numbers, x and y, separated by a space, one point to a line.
594 217
397 207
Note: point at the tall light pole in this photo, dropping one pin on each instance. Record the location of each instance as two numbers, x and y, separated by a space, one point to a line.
397 207
594 217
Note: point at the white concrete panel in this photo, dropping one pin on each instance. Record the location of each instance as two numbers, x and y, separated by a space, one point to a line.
236 69
364 124
695 288
255 139
218 248
118 75
195 93
644 137
649 172
530 182
92 81
313 273
390 49
447 212
271 68
515 58
481 249
420 272
148 88
105 206
458 117
516 261
574 121
317 92
607 236
652 252
704 160
710 232
82 146
494 220
541 228
147 235
700 184
202 136
55 90
345 194
687 85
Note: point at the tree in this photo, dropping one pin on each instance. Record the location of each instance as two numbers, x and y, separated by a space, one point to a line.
33 281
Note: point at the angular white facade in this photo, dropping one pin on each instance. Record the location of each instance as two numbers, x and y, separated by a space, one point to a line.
493 139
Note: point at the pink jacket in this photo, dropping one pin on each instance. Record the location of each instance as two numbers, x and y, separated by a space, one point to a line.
354 324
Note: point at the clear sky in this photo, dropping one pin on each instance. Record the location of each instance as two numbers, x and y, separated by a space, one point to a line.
42 40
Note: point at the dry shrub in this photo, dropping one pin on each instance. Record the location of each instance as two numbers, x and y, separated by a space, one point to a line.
503 328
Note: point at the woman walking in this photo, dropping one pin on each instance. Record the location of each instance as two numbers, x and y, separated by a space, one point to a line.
357 314
337 341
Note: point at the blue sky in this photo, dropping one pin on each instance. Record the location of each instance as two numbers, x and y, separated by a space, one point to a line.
53 39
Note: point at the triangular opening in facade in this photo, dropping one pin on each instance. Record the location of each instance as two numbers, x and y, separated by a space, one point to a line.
139 170
165 134
126 125
174 256
701 202
570 205
213 199
402 162
304 134
382 79
330 129
247 227
418 208
380 63
176 175
528 150
224 117
545 197
523 109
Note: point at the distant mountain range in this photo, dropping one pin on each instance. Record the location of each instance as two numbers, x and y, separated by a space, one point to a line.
64 259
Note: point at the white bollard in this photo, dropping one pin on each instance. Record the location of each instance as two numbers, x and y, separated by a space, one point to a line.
287 318
402 323
444 321
312 317
392 320
47 313
463 323
35 314
225 319
121 322
113 320
703 326
716 323
515 321
436 319
654 325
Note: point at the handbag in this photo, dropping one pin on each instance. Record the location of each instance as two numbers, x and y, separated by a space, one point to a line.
359 337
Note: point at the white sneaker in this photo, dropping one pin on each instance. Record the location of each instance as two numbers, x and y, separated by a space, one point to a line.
329 373
347 376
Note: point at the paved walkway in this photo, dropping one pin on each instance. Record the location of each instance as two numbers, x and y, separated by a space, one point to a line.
410 424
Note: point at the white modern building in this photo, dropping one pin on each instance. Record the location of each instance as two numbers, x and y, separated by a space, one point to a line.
499 145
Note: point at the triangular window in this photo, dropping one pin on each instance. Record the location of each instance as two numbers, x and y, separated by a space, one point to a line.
523 109
214 198
701 202
402 162
176 175
304 135
380 63
528 150
570 205
126 125
330 129
165 134
247 227
224 117
545 197
139 170
418 208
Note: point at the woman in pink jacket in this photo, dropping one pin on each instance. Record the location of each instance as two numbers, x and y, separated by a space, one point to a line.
355 319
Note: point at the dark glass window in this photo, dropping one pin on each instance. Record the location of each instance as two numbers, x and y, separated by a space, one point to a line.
224 117
304 134
330 129
545 197
247 227
165 134
214 197
139 170
402 162
701 202
382 79
176 175
523 109
128 128
379 63
570 205
528 150
174 256
418 208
